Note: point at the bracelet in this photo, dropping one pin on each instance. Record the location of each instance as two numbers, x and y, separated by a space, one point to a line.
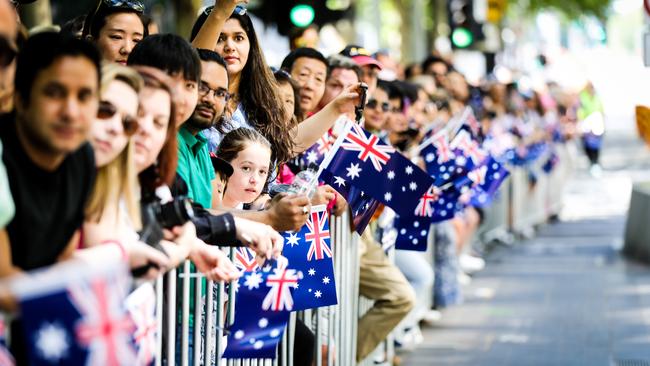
120 246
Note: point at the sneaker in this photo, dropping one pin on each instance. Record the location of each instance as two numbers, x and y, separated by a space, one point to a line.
431 316
410 339
463 278
471 264
596 171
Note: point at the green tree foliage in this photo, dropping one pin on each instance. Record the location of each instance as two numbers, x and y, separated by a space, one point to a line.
572 9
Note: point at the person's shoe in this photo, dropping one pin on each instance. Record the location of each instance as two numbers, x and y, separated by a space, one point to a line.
596 171
470 264
431 317
463 278
410 339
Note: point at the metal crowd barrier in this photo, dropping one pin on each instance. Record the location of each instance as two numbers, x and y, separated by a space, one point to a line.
516 209
334 327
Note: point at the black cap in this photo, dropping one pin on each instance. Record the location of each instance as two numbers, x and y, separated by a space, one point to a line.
221 165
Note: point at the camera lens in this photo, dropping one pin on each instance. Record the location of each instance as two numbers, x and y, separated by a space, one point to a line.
175 213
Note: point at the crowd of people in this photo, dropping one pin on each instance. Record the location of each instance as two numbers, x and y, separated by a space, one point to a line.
104 122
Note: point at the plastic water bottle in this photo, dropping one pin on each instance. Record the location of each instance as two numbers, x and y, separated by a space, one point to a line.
305 182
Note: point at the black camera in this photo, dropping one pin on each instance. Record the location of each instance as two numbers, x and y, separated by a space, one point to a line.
157 216
173 213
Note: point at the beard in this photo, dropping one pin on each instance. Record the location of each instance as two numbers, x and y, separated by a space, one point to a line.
199 122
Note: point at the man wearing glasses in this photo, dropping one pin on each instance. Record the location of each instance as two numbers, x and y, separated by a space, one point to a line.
194 164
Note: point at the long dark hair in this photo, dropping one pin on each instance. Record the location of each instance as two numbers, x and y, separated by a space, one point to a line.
258 93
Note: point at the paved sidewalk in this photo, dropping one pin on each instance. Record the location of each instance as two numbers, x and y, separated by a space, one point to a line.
563 298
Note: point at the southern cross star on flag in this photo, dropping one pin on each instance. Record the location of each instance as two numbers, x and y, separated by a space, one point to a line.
262 307
377 169
309 251
362 206
434 206
73 320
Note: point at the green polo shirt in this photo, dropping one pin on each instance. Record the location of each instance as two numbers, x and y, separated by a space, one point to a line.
195 166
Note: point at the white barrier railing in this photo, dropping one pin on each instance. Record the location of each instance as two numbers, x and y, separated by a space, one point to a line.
333 326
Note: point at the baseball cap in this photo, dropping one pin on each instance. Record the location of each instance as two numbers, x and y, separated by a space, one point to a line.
221 165
361 56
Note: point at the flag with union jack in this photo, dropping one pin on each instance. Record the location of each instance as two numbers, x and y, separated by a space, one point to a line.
256 330
434 206
364 161
465 145
6 359
244 260
487 182
316 153
141 305
441 163
70 319
309 251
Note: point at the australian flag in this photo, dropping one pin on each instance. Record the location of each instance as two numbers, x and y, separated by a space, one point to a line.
309 251
141 305
466 146
494 173
434 206
316 153
412 233
439 158
484 182
362 160
262 308
362 206
244 260
77 320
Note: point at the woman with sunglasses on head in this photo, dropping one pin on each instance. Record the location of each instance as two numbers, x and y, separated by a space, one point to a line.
256 100
116 26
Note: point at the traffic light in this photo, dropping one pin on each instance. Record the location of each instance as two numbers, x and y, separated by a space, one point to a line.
289 14
465 30
302 15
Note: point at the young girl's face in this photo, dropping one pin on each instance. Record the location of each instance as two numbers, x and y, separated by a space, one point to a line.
251 169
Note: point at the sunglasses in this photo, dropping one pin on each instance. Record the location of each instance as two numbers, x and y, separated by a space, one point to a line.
373 103
107 110
239 10
135 5
8 52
